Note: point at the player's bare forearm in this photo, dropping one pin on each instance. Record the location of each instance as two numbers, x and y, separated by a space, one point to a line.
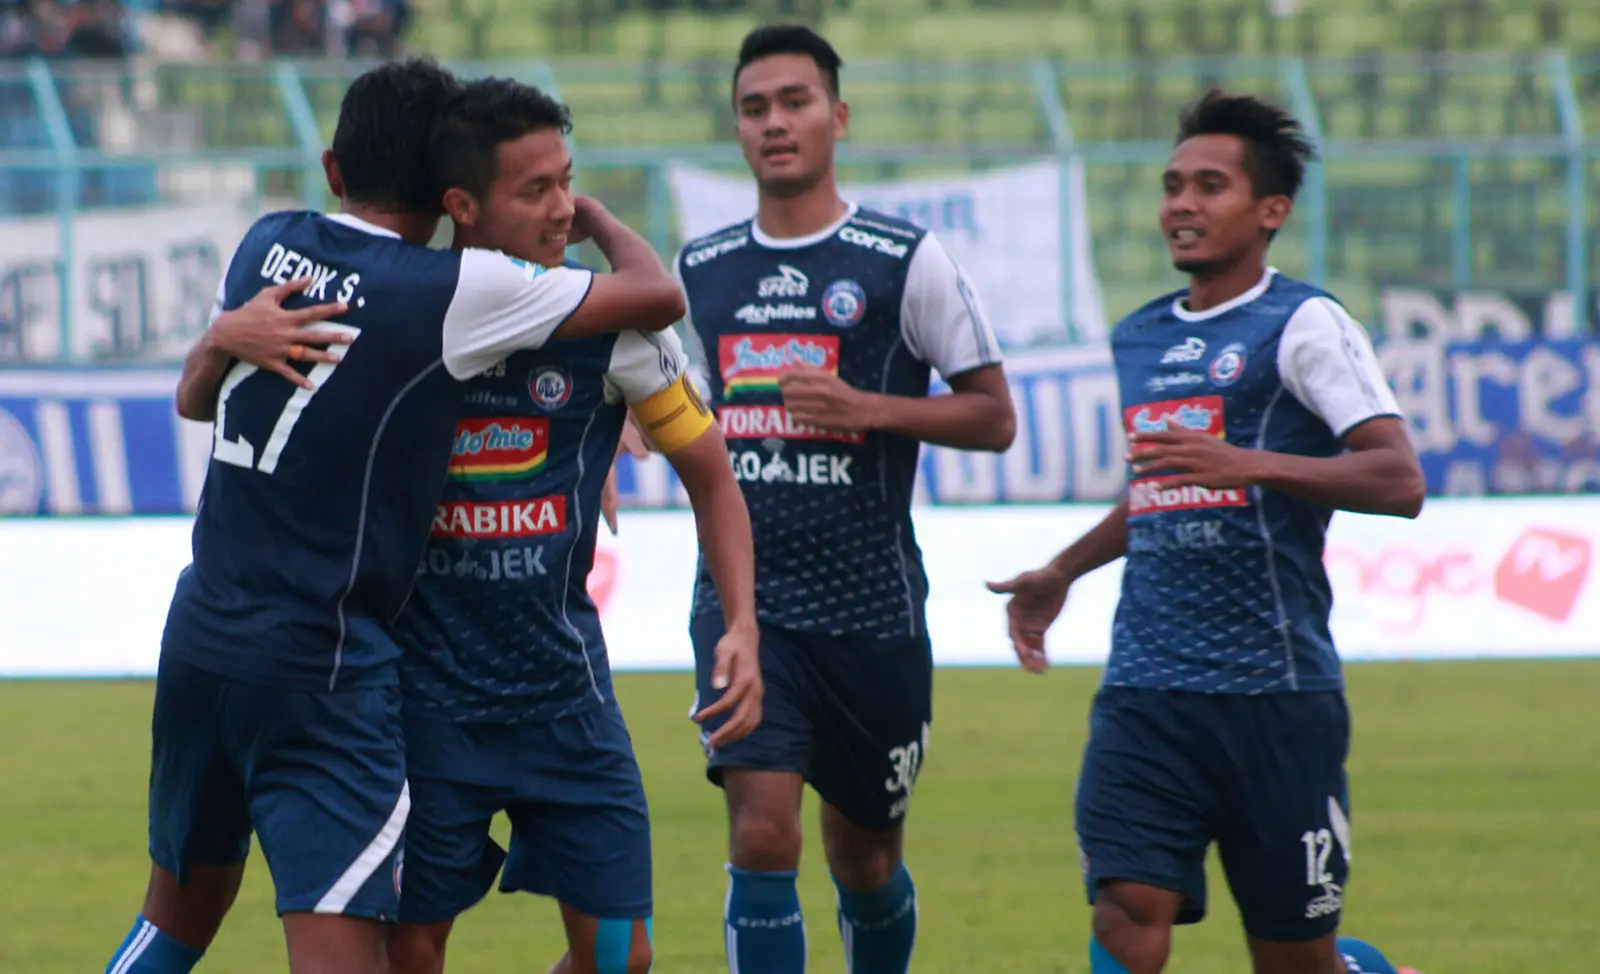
203 370
723 523
640 292
976 415
1100 546
1377 480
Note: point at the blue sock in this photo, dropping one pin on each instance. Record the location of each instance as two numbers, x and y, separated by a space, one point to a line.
149 951
765 931
1363 958
879 928
1101 961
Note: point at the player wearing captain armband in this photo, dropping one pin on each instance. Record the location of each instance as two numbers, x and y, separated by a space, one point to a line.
277 705
1255 408
507 692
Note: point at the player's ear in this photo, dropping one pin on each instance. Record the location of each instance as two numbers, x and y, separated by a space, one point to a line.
460 206
330 168
841 118
1274 211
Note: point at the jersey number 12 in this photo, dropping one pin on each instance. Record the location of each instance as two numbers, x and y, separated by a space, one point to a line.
241 452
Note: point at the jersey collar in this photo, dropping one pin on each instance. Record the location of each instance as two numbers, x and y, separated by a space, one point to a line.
356 223
1184 314
795 243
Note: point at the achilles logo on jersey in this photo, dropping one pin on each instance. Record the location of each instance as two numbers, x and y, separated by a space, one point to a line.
753 363
759 422
873 242
761 314
550 386
499 448
500 519
1202 414
789 282
819 469
1190 350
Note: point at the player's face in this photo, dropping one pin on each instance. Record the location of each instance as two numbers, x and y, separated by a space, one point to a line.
527 211
787 122
1210 214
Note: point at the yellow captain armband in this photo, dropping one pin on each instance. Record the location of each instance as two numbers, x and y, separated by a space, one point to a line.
674 417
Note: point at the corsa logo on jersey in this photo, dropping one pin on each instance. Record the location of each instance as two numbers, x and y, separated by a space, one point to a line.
500 519
499 448
760 422
754 363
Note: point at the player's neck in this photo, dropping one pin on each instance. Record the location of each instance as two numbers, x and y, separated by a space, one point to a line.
411 227
1206 291
787 217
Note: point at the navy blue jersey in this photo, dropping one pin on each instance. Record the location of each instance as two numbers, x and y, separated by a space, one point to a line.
317 503
879 302
501 628
1225 590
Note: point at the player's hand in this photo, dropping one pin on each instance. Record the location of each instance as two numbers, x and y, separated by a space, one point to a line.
1036 601
1189 458
821 399
263 333
634 445
738 674
587 214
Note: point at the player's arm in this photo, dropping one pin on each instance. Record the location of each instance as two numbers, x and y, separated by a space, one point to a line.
262 333
649 370
1327 363
943 324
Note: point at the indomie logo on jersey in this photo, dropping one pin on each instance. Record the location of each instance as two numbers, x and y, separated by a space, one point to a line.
499 448
500 519
753 363
760 422
1203 414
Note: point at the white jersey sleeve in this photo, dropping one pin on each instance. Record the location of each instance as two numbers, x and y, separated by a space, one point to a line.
501 305
941 317
1325 360
699 367
642 364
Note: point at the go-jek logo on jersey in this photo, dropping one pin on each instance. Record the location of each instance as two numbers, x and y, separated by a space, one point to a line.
754 363
500 519
760 422
499 448
1203 414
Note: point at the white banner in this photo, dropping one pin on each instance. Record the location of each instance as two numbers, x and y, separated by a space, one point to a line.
1003 226
1470 578
143 279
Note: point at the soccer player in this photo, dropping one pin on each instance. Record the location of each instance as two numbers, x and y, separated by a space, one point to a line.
818 324
507 694
277 699
1255 408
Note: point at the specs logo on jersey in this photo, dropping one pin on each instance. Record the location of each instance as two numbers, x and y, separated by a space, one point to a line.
1189 350
500 519
873 242
550 386
1228 365
754 363
21 470
843 304
499 448
789 282
1202 414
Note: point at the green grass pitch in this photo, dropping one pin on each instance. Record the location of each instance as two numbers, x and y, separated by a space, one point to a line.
1477 831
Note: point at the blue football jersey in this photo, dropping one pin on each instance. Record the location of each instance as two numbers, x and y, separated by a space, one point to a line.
1225 590
316 503
880 303
501 627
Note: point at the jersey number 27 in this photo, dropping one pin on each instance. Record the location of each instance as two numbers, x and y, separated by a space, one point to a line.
241 452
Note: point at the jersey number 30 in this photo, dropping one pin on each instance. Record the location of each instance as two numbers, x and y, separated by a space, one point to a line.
241 452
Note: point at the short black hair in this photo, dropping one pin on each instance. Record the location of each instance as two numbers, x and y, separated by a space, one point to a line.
790 39
381 140
1276 150
483 115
